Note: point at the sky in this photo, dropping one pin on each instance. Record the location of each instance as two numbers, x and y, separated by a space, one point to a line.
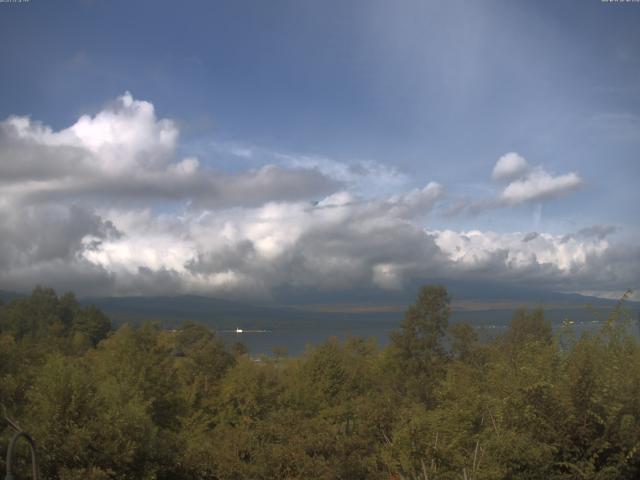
236 148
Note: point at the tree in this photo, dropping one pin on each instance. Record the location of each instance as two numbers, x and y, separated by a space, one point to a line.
91 322
529 327
464 341
418 345
151 403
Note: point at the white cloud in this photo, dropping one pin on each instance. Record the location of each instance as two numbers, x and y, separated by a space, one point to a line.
124 136
509 167
539 185
524 184
527 184
224 233
564 263
477 249
125 153
106 207
341 241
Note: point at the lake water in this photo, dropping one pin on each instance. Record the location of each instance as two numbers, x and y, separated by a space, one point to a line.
296 335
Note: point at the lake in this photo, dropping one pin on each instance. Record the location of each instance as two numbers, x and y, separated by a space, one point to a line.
296 334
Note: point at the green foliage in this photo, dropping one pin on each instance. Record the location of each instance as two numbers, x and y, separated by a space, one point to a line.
528 327
143 403
417 347
45 316
424 326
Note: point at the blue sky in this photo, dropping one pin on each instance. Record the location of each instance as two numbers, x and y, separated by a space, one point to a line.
410 92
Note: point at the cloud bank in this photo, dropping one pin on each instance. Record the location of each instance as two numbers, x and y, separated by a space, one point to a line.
107 207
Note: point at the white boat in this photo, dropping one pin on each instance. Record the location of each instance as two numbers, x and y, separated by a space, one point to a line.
239 330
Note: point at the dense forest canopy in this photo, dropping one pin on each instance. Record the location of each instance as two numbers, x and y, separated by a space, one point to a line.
146 403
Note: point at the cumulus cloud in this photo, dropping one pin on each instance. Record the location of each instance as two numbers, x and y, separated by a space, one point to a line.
107 207
338 242
509 167
539 185
525 184
543 259
333 244
46 244
241 233
126 153
40 233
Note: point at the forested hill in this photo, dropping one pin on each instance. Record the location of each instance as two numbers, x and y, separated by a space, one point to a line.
148 403
289 307
172 310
